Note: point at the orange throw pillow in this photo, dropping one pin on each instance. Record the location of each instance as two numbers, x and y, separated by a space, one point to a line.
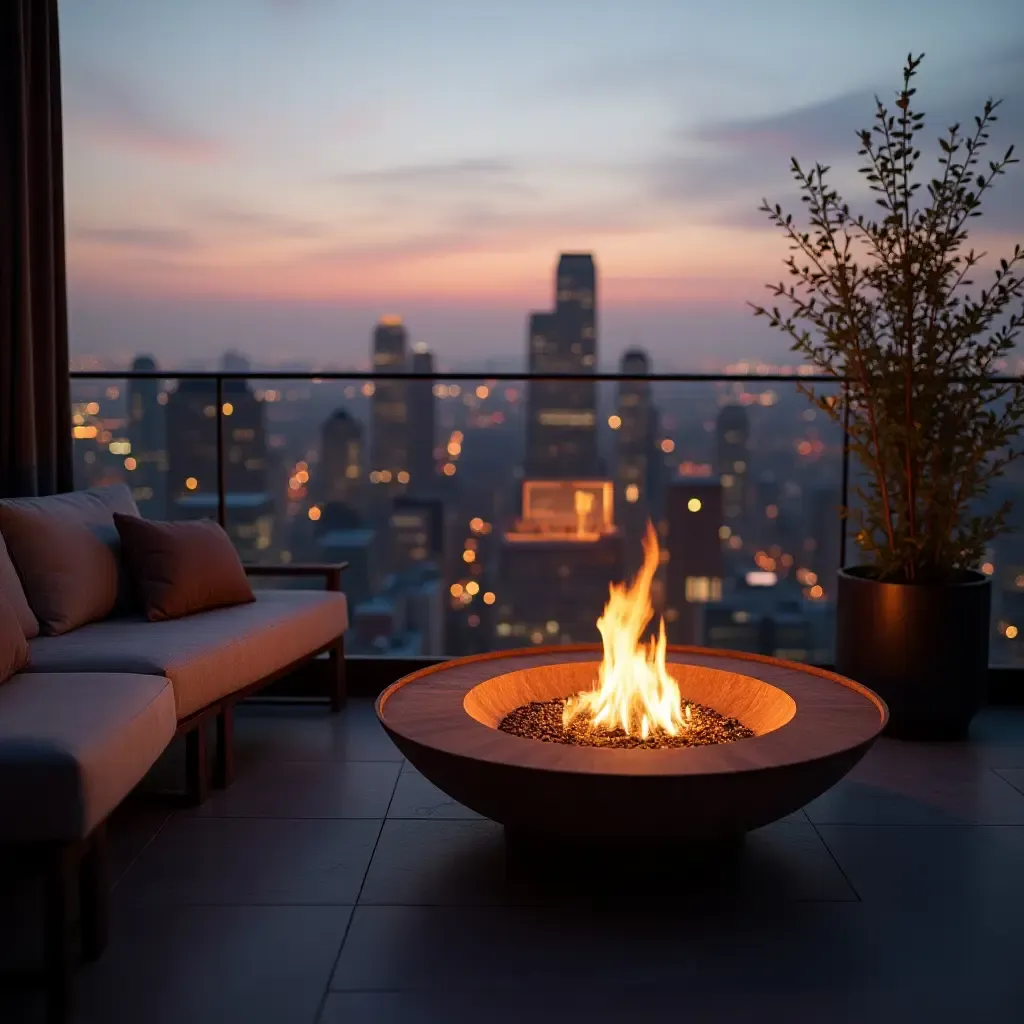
181 568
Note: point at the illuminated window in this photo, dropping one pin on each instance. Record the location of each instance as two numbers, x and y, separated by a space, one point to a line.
632 494
191 483
565 418
701 589
614 422
724 532
694 505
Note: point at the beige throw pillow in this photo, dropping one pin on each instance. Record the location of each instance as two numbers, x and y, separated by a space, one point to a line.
64 547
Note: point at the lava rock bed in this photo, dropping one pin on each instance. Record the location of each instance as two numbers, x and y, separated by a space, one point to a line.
542 720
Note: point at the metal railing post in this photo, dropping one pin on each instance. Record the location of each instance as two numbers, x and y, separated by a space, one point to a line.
221 487
844 493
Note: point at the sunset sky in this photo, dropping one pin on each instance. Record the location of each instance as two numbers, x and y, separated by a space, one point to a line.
272 175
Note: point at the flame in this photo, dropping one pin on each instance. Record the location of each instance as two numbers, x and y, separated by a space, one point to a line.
635 693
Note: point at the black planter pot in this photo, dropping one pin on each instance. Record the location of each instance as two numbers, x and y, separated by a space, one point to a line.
922 649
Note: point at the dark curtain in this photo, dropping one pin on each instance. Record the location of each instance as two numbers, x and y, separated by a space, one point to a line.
35 404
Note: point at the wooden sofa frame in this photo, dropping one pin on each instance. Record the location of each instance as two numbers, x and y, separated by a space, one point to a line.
76 875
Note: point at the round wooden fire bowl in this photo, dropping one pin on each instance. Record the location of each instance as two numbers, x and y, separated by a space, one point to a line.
811 727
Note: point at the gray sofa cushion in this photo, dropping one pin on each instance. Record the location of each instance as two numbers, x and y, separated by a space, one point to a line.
67 554
206 656
11 589
73 745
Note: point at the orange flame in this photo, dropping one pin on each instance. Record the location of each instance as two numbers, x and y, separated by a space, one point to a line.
635 693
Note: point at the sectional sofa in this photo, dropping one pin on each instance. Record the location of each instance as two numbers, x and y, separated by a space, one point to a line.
96 705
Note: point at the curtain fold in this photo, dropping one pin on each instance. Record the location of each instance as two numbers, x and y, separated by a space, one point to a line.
35 403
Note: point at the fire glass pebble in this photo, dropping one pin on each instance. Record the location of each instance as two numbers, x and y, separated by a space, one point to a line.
542 720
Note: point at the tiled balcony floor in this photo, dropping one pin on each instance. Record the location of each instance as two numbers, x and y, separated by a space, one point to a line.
333 884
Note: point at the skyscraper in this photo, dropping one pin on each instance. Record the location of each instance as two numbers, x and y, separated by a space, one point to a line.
147 432
634 450
421 424
342 472
389 411
732 462
192 461
562 415
695 566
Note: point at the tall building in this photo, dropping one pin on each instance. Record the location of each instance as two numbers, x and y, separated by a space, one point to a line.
416 530
562 415
634 453
147 434
342 471
192 462
422 428
389 410
732 463
695 565
555 564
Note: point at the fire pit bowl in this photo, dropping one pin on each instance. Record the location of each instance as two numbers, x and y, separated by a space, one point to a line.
811 727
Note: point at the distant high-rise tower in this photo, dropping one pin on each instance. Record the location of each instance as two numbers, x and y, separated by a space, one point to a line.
634 450
147 432
421 424
389 433
192 461
695 567
562 415
235 362
342 473
732 433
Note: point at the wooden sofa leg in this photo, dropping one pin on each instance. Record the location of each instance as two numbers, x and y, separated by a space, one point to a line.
94 881
336 674
224 757
197 765
60 932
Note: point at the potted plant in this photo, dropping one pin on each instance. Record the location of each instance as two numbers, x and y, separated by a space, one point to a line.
887 306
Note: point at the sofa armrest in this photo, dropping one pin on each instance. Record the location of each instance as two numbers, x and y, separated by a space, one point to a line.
330 572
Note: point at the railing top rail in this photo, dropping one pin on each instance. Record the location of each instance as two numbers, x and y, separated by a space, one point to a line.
461 375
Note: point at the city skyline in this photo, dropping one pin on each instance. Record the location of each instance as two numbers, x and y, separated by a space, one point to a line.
393 159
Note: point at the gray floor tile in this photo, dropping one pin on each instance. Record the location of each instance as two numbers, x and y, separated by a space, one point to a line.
1014 776
839 947
434 862
919 784
306 789
251 860
972 870
298 733
588 1002
131 828
256 965
415 797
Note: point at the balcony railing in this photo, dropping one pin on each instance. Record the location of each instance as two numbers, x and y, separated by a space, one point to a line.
441 553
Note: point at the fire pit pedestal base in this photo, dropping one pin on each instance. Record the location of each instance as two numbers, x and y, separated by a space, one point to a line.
811 727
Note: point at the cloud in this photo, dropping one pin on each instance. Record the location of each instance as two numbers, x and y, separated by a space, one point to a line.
442 176
478 228
100 104
262 222
724 168
156 239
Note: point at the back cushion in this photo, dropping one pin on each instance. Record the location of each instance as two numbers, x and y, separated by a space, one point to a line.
11 590
13 645
66 550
